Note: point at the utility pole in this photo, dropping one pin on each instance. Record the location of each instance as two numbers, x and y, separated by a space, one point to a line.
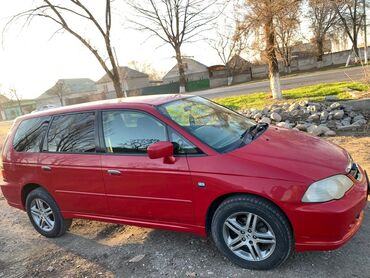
365 32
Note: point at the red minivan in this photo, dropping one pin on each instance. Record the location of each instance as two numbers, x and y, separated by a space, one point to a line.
184 163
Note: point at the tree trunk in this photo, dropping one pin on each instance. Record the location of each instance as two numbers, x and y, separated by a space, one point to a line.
180 65
117 83
356 50
272 60
20 106
320 49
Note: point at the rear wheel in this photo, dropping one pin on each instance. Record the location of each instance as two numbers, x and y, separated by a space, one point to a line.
45 215
252 232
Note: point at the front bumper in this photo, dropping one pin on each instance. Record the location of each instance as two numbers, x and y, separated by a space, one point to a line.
329 225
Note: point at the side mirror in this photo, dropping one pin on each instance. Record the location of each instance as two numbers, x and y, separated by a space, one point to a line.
162 149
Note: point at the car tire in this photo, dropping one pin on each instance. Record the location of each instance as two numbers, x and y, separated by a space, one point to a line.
252 232
45 214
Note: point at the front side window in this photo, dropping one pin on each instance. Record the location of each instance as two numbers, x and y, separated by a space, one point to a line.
72 133
131 132
29 134
220 128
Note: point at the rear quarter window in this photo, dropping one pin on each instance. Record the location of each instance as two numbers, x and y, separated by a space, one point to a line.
72 133
29 134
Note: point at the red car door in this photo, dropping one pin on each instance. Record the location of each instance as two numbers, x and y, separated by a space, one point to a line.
71 166
139 187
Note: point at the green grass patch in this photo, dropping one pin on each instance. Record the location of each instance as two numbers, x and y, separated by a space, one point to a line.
313 93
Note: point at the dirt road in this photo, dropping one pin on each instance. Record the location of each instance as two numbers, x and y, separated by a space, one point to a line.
93 249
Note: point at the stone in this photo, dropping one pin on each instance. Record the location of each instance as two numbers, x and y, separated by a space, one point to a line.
265 111
283 124
302 127
324 116
277 110
314 117
335 105
317 130
360 123
50 269
266 120
348 127
338 114
323 128
305 102
330 133
257 116
275 116
295 113
358 117
312 108
293 106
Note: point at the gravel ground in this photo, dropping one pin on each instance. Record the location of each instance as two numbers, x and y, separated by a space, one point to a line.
94 249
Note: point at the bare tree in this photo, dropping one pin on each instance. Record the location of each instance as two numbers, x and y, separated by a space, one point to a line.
13 95
64 14
287 25
262 16
230 43
59 90
175 22
322 17
350 15
146 68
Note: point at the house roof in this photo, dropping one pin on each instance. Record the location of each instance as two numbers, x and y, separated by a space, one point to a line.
124 72
3 99
193 66
70 86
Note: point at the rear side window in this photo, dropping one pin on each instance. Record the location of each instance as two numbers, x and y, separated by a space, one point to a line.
30 134
73 133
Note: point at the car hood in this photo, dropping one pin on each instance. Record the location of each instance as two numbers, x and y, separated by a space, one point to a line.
288 153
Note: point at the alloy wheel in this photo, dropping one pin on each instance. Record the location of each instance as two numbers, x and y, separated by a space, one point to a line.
249 236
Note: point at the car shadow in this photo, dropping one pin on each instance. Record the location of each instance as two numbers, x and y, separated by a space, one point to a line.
122 251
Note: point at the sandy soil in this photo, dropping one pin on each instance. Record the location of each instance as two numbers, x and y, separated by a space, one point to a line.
93 249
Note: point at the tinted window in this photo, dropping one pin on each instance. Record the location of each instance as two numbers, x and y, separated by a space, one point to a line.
130 131
73 133
29 134
182 146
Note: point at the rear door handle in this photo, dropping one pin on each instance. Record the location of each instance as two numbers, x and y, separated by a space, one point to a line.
46 168
114 172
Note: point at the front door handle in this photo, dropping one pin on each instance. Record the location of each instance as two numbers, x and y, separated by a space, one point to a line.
46 168
114 172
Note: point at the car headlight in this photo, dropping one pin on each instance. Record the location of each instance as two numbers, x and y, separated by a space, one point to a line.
327 189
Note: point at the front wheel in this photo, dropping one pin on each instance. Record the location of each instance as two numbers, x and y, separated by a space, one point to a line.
45 215
252 232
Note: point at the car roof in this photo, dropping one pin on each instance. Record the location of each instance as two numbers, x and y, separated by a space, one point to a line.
128 102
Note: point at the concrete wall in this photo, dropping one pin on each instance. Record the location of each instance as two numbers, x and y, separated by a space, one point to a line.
222 81
217 82
189 77
260 71
330 59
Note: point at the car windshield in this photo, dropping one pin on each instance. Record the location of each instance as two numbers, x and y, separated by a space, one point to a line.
220 128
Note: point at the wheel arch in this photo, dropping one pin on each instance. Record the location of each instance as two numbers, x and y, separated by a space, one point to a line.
27 189
217 202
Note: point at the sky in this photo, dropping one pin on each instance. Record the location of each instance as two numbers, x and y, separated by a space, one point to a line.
31 60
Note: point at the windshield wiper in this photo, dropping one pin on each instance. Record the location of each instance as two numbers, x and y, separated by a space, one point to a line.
253 131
